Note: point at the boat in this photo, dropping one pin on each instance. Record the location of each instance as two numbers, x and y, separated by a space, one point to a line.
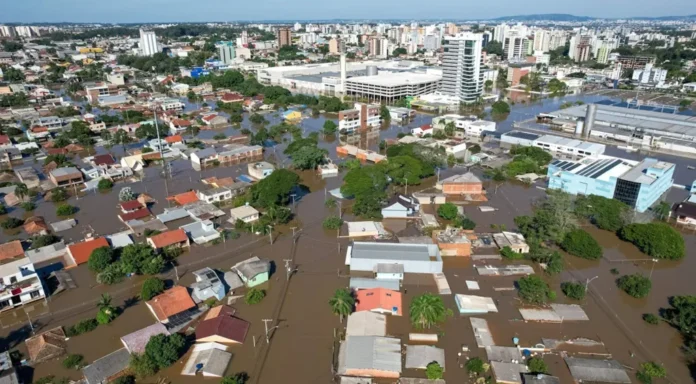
690 167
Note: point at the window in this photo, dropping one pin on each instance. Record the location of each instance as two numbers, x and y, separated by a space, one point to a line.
13 280
4 304
35 294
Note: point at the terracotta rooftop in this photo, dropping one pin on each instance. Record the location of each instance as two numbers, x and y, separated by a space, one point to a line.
11 250
80 252
378 299
106 159
230 328
184 198
137 214
168 238
4 139
46 346
35 224
174 139
131 205
181 122
171 302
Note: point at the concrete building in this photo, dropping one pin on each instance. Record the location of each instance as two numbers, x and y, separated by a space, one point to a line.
465 184
362 117
390 87
515 47
416 258
462 62
650 74
148 43
284 37
562 147
580 48
19 282
226 52
634 62
66 176
638 184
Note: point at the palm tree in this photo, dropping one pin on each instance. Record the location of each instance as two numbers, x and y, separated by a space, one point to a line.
427 310
104 303
21 190
342 303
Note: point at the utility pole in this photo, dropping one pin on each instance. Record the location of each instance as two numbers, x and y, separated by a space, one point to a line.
653 267
293 234
176 271
270 233
31 325
288 268
293 201
340 209
406 180
265 323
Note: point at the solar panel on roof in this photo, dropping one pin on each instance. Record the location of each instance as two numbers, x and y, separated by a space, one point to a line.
593 167
605 169
573 167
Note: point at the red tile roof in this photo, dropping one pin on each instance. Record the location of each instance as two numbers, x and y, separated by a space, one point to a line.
174 139
168 238
378 299
4 139
209 117
106 159
232 97
80 252
184 198
232 329
171 302
11 250
181 122
131 205
138 214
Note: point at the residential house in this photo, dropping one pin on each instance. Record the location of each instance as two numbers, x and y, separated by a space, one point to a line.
170 303
106 159
513 240
208 285
238 153
108 368
201 232
416 258
392 271
8 155
130 206
175 238
452 241
221 326
244 213
66 176
20 282
468 304
378 300
80 252
48 258
366 323
260 170
215 195
207 359
231 98
5 142
204 157
35 225
47 346
370 356
684 213
214 121
28 176
466 184
135 342
138 214
420 356
184 198
253 271
401 207
175 139
177 126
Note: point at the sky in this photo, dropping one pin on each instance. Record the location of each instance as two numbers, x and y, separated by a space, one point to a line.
142 11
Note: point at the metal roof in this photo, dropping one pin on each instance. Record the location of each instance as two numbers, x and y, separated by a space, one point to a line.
482 333
508 372
419 356
503 354
522 135
390 251
367 283
366 323
102 369
594 370
370 352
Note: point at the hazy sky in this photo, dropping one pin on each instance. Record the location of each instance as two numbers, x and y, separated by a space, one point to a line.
123 11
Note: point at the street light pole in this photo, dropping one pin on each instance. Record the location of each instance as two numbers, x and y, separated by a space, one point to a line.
588 281
265 324
270 233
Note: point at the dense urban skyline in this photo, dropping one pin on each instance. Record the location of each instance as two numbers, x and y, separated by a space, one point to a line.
218 10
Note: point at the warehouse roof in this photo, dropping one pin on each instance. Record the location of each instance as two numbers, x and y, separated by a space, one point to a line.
419 356
390 251
604 371
370 352
395 79
366 323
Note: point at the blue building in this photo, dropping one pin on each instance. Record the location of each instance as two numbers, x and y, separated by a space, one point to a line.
197 72
638 184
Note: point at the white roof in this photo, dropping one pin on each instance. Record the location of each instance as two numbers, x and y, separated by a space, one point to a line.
366 323
243 211
13 267
475 303
395 79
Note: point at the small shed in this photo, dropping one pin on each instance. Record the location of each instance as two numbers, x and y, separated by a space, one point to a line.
469 304
390 271
508 373
253 271
419 356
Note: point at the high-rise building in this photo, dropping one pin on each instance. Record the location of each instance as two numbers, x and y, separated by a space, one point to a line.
462 75
499 32
580 48
284 37
431 42
245 38
378 47
333 46
148 43
226 51
514 46
557 39
541 40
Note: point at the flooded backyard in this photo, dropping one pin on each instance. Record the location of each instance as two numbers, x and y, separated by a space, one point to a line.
303 345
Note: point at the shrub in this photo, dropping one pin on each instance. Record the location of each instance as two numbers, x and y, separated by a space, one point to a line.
73 361
83 326
112 274
43 240
152 287
464 222
28 206
164 350
11 223
635 285
573 290
105 316
537 365
59 194
254 296
533 289
655 240
447 211
100 259
475 366
579 243
500 107
65 210
3 209
332 222
509 254
239 378
614 271
105 184
128 379
651 319
649 371
434 371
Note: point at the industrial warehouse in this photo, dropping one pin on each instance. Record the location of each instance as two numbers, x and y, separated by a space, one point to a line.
637 128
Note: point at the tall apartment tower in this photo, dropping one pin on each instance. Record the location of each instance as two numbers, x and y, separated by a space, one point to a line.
226 52
462 75
148 43
284 36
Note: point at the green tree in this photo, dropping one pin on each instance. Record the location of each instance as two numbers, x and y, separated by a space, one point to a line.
488 84
105 185
342 303
657 240
464 222
434 371
28 206
661 210
332 222
494 48
274 189
21 191
126 194
59 194
112 274
447 211
239 378
254 296
11 223
152 287
635 285
399 51
308 157
384 114
537 365
427 310
364 181
475 365
573 290
329 127
100 258
500 108
450 128
73 361
649 371
142 365
164 350
605 213
651 318
509 254
65 210
533 289
580 243
255 118
107 313
43 240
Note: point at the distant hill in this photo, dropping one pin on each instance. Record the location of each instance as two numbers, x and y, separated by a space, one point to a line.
666 18
548 16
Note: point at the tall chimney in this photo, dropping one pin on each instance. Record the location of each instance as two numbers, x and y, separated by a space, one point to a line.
589 120
344 65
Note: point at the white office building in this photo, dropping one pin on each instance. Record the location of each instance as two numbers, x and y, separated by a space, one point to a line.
148 43
226 52
462 74
650 74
